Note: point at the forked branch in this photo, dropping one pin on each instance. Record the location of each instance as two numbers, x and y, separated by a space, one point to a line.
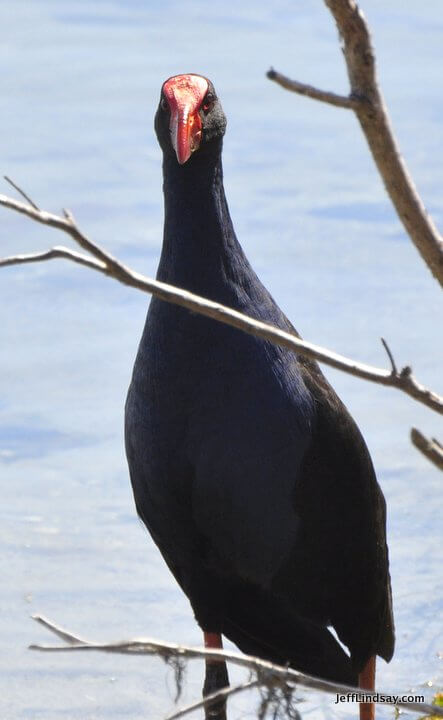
366 100
105 263
267 674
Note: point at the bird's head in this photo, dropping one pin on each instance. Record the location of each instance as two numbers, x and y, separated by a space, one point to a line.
189 116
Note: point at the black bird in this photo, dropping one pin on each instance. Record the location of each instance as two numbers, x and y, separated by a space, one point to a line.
247 469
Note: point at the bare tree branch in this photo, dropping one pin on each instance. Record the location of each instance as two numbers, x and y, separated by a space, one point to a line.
59 251
432 449
302 89
109 265
368 104
21 192
267 673
390 356
66 224
59 631
222 694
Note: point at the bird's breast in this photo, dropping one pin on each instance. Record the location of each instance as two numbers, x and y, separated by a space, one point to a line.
235 410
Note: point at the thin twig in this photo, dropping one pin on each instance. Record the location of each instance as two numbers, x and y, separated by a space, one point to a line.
66 224
59 631
222 694
431 449
267 673
21 192
347 102
110 266
390 356
59 251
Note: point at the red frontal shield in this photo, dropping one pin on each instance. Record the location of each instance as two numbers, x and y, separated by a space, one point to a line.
184 95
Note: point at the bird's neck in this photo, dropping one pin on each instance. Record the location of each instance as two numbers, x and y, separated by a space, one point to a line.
200 250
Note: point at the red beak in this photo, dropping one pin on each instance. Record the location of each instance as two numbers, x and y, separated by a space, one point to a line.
185 94
186 133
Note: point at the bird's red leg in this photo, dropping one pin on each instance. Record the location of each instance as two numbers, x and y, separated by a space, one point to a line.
213 641
216 677
366 680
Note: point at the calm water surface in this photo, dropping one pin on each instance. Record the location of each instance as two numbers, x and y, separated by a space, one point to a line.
80 86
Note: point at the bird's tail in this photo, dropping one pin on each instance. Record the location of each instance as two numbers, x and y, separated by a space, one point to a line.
265 625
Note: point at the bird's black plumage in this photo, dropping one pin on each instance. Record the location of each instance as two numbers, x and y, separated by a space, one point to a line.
247 469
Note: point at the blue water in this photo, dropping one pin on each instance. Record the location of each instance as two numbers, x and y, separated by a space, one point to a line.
80 84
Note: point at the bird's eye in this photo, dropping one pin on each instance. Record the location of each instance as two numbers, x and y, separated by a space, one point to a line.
208 102
164 103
